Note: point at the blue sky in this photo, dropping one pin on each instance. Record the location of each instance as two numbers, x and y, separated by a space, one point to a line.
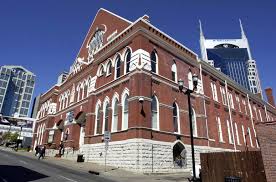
45 36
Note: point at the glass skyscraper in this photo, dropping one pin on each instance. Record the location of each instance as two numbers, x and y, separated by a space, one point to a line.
16 90
233 58
232 62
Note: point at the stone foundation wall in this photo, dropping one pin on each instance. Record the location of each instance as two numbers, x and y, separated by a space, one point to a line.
142 155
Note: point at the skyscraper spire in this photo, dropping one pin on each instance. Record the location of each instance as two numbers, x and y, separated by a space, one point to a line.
200 28
243 36
202 42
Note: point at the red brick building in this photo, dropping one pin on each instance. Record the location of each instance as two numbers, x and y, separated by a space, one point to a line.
121 62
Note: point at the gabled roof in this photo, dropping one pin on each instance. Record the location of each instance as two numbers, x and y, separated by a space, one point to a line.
103 17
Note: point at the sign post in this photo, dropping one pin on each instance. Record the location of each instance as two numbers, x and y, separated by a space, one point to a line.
107 138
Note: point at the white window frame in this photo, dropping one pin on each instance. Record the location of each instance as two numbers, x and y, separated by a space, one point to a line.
178 118
156 66
157 115
106 101
117 59
190 81
124 121
97 111
220 130
229 133
244 135
113 127
237 134
174 70
108 65
250 137
223 96
214 91
125 60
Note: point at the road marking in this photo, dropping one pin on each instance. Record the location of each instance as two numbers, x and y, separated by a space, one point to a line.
3 179
23 162
67 178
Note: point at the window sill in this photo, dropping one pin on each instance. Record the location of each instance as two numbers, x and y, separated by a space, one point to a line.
107 75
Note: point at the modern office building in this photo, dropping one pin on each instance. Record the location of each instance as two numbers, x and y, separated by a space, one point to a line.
124 80
233 58
16 90
35 106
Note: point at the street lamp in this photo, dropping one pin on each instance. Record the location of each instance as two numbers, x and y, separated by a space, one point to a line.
188 93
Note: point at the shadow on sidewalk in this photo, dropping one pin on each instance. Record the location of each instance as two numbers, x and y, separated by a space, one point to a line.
19 173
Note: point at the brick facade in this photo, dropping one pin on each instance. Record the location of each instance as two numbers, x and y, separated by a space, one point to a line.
86 88
267 139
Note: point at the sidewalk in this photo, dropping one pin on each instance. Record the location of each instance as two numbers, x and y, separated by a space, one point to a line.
111 172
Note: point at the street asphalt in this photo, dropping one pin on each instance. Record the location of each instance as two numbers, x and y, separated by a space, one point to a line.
18 168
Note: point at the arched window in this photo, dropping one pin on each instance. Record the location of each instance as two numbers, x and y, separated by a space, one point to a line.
244 135
115 115
174 73
154 113
117 67
190 81
237 134
101 70
97 119
153 61
176 118
194 124
179 155
220 130
125 112
229 132
108 68
127 60
106 113
96 42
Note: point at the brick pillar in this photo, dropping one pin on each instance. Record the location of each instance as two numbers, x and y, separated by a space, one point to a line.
269 95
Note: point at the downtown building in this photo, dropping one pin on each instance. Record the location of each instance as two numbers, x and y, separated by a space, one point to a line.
16 90
233 58
124 80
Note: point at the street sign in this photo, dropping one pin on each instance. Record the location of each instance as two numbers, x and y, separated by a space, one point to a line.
107 136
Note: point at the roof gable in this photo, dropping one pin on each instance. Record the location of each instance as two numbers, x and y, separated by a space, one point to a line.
107 21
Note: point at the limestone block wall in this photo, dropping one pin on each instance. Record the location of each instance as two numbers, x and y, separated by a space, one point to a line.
142 155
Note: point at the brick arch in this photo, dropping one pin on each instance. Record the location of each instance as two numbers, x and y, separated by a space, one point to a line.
81 115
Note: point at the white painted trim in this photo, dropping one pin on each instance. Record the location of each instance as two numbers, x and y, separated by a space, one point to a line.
157 122
123 97
115 96
97 108
106 101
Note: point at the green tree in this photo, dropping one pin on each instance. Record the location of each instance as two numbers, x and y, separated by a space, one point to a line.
14 137
10 137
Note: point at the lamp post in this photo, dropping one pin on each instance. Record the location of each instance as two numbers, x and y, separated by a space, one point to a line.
188 93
